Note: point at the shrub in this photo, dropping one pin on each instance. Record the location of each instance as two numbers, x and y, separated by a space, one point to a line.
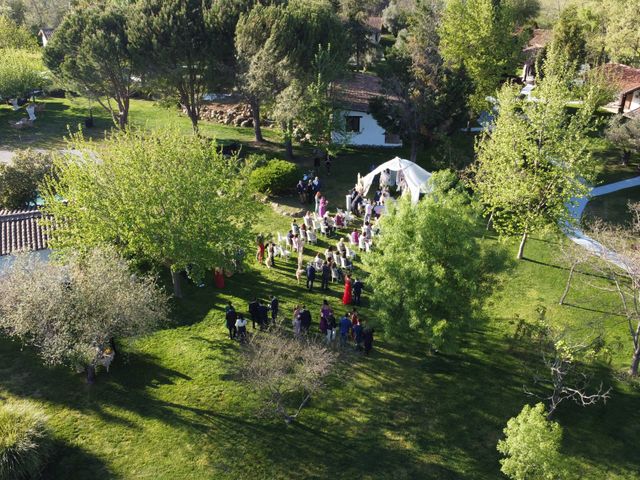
19 180
276 177
24 441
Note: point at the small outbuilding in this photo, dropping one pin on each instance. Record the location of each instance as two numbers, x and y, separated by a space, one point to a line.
354 94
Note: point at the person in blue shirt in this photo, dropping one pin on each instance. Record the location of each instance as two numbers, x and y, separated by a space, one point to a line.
345 328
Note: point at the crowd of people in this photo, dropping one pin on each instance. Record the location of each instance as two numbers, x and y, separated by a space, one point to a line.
334 265
350 329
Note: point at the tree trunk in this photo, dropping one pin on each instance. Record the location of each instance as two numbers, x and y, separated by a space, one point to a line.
91 374
175 278
635 362
255 114
520 255
568 286
193 116
123 118
287 128
414 150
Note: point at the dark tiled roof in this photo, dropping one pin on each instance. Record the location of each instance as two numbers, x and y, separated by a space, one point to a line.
541 37
20 231
374 23
622 77
47 32
355 92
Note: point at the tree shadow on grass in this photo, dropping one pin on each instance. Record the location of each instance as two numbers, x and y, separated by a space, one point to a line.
71 462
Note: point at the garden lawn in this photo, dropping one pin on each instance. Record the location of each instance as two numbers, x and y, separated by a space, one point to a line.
172 408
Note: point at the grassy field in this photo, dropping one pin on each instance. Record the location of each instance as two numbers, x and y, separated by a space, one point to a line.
171 407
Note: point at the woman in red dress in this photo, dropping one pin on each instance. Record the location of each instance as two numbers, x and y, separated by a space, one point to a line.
346 298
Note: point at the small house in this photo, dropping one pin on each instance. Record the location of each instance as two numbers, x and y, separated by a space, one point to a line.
625 81
21 231
45 35
354 94
539 40
374 26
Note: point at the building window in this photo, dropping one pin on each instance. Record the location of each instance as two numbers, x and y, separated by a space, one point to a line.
353 123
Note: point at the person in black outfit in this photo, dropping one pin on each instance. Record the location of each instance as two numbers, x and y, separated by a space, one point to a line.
309 191
263 315
275 306
367 337
311 276
305 320
326 275
357 291
253 311
231 317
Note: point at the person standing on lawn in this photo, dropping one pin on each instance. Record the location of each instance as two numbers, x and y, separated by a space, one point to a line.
305 319
241 326
346 297
345 328
231 317
260 252
358 335
368 340
253 311
357 288
275 307
311 276
263 315
326 275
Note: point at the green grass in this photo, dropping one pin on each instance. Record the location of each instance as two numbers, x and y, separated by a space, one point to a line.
613 206
171 407
62 114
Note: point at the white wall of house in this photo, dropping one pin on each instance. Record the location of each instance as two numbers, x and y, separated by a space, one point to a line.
7 260
635 101
370 134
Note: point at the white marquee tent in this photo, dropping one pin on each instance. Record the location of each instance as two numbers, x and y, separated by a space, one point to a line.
409 175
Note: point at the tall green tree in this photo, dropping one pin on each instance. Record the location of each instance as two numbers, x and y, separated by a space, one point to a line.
424 97
478 34
305 24
531 446
426 266
91 54
20 179
21 71
569 36
184 46
536 159
260 65
12 35
159 196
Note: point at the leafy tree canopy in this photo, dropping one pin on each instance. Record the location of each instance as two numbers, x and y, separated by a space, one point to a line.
426 267
19 180
160 196
90 52
21 71
531 446
13 35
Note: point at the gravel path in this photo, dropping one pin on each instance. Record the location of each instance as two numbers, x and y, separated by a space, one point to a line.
578 236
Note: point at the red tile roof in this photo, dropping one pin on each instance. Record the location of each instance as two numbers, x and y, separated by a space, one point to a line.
20 231
541 37
355 92
623 77
374 23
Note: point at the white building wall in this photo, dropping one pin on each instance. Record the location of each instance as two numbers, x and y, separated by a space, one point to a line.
635 101
371 134
7 260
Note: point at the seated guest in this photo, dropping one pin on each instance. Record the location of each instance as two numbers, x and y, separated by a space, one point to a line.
339 219
341 247
355 236
308 220
295 229
317 262
327 221
329 255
